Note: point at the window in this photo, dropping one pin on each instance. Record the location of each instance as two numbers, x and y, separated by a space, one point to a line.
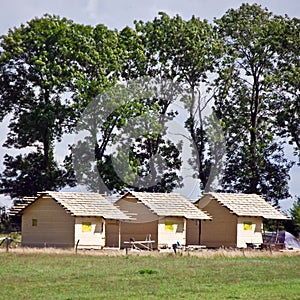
34 222
247 225
86 226
99 228
169 226
180 227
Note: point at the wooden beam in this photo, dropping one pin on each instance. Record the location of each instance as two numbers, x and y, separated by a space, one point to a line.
119 234
184 230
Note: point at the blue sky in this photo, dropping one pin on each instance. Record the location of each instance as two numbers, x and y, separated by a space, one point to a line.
117 14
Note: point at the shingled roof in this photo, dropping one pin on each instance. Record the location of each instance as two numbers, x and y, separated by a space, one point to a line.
169 204
85 204
247 205
17 208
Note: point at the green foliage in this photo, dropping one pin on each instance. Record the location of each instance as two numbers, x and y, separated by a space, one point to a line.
287 80
247 62
25 175
50 69
274 225
4 220
133 54
245 103
186 52
126 128
147 271
180 50
295 215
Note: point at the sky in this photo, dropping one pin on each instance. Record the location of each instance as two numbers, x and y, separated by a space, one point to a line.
116 14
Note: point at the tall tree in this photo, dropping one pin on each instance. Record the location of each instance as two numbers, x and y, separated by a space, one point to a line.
187 53
287 83
115 109
124 146
101 122
157 159
45 67
245 103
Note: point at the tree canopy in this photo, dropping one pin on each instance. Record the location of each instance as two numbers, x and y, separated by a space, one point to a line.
50 68
246 104
59 77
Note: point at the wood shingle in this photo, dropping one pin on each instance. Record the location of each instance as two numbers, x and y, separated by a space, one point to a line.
85 204
169 204
248 205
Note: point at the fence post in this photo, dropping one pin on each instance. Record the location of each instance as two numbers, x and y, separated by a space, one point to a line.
7 242
76 246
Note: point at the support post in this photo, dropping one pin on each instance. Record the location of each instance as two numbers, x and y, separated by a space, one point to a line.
119 234
199 231
184 230
277 231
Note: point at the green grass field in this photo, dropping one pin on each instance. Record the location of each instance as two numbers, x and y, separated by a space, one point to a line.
37 275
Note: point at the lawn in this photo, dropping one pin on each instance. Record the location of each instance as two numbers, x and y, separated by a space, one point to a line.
38 275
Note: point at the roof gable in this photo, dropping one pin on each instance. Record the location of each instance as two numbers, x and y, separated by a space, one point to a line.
168 204
246 205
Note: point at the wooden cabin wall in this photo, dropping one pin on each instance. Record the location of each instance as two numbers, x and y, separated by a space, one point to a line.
193 232
249 231
112 233
171 230
144 222
46 224
222 229
90 231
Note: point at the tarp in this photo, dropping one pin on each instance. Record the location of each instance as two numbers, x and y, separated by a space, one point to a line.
283 237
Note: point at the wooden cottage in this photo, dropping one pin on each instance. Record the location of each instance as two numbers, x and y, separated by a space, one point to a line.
164 218
64 219
237 219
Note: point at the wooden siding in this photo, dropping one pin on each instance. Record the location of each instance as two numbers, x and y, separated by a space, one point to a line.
193 231
249 230
136 209
112 233
54 226
138 232
94 237
143 225
222 230
164 230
